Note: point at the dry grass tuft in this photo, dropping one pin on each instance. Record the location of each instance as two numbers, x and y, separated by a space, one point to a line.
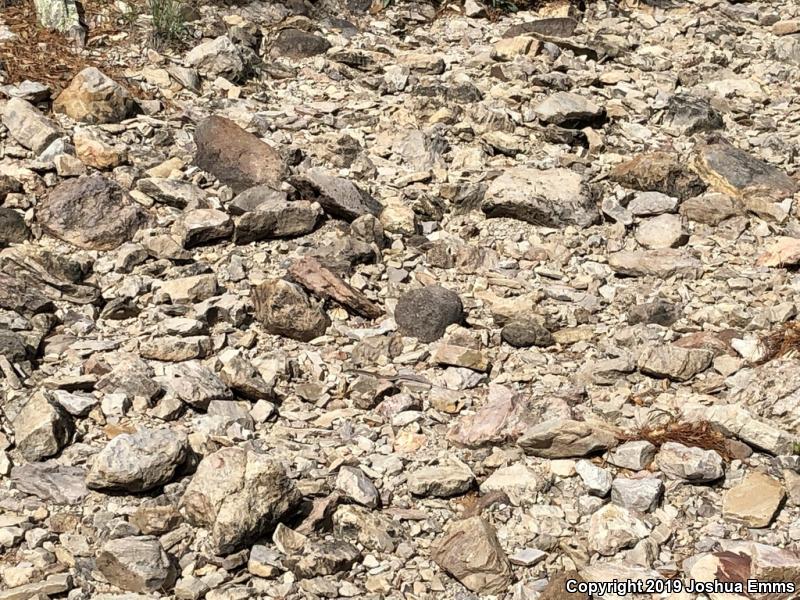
700 434
783 342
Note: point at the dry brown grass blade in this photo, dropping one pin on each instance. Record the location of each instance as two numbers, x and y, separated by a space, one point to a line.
700 434
784 341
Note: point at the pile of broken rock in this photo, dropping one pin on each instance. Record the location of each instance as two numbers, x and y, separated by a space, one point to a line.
378 306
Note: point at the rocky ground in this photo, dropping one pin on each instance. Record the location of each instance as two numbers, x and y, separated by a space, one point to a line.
334 304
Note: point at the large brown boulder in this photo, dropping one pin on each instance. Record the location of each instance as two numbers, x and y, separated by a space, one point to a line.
91 212
236 157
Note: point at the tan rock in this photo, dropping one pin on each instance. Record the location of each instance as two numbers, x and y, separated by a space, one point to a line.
754 501
470 552
93 97
94 152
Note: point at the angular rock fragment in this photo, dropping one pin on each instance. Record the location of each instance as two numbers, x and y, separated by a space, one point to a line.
29 127
93 97
663 231
338 197
41 429
136 564
370 528
51 482
354 484
470 552
203 226
425 313
173 192
440 481
568 110
458 356
322 282
754 501
274 218
217 58
285 309
596 479
238 495
641 495
687 115
503 418
13 229
635 455
91 212
674 362
659 172
564 438
234 156
613 528
138 462
550 198
729 170
691 464
519 483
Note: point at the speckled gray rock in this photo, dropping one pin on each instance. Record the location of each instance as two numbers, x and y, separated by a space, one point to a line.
694 465
425 313
638 494
136 564
42 428
138 462
238 495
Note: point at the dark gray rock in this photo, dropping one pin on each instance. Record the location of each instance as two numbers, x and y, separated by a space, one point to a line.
296 43
51 482
687 114
13 229
425 313
137 564
339 197
526 333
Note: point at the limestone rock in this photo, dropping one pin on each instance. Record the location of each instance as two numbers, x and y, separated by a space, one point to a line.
754 501
357 486
340 198
203 226
51 482
136 564
29 127
639 494
238 495
661 263
694 465
93 97
564 438
440 481
663 231
674 362
42 429
138 462
274 218
613 528
470 552
217 58
568 110
550 198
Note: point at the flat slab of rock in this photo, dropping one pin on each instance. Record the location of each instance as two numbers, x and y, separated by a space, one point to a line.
325 284
440 481
217 58
568 110
238 495
236 157
729 170
661 263
91 212
470 552
51 482
550 197
138 462
754 501
565 438
340 198
296 43
674 362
